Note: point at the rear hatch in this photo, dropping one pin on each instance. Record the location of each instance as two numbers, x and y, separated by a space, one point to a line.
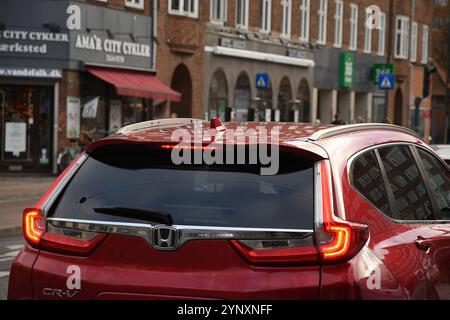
131 224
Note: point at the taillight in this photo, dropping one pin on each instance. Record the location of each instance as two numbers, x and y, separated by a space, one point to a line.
41 235
337 240
45 237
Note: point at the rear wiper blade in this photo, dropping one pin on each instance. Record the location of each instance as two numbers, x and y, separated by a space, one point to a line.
153 216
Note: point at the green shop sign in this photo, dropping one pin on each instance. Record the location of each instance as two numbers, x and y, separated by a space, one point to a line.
380 68
347 69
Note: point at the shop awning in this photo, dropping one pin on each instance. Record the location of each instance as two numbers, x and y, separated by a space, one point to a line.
135 83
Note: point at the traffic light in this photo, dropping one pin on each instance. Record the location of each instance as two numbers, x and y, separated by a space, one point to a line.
426 83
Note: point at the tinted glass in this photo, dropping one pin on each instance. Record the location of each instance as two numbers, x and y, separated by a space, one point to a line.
367 179
412 201
438 176
231 196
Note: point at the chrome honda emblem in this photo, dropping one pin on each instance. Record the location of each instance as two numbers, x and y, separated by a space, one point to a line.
165 238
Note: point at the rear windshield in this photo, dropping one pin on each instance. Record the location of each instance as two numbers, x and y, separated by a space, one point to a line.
196 195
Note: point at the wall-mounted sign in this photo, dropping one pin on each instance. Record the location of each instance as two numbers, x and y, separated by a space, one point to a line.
381 68
15 137
232 43
31 73
347 69
73 118
262 80
386 81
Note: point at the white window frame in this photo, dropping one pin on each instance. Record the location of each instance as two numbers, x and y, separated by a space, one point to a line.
425 43
266 12
223 11
244 11
414 40
181 12
382 35
353 38
401 37
322 13
305 14
338 23
367 33
132 4
286 18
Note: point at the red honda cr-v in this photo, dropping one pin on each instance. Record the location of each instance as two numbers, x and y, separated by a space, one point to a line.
353 212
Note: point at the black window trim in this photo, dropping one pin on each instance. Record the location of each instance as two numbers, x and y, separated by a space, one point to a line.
392 206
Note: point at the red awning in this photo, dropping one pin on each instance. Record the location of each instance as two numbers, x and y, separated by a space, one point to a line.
135 83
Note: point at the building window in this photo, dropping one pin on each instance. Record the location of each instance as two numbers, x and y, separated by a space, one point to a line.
401 37
305 16
266 16
368 33
286 6
184 8
219 10
137 4
414 33
323 9
242 14
425 37
382 35
353 27
338 23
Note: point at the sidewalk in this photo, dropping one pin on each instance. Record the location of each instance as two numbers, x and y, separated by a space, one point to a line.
16 194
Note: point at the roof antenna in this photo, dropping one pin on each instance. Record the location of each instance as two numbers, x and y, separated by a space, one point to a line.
217 124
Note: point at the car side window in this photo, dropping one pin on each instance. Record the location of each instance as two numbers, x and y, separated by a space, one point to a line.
368 180
411 199
438 176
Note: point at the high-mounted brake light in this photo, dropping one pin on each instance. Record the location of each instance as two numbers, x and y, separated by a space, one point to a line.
338 240
191 147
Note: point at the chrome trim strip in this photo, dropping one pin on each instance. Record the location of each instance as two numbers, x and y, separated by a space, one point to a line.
47 204
185 233
334 131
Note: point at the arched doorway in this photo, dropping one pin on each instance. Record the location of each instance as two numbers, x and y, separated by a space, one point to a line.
182 83
242 97
218 95
285 99
303 102
398 108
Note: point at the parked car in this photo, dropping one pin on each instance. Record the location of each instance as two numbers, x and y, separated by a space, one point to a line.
443 150
354 212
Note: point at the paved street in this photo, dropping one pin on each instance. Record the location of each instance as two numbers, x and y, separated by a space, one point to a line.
10 246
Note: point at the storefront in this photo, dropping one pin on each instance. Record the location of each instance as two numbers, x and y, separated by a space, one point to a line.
233 69
61 87
346 88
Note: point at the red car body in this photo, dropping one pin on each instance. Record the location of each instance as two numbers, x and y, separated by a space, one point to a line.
365 254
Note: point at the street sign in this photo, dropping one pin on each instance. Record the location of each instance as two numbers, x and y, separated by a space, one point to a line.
381 68
386 81
262 81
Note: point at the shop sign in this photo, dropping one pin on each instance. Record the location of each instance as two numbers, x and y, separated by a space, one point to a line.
73 118
93 42
90 109
31 73
232 43
15 137
347 69
294 53
29 42
379 69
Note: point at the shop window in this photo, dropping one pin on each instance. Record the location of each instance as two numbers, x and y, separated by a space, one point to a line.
137 4
242 97
285 100
218 95
184 8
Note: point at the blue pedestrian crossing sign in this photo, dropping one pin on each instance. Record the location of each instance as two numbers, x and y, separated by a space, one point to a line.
386 81
262 80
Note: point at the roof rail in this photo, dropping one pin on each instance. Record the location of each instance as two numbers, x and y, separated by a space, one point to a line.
334 131
156 123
